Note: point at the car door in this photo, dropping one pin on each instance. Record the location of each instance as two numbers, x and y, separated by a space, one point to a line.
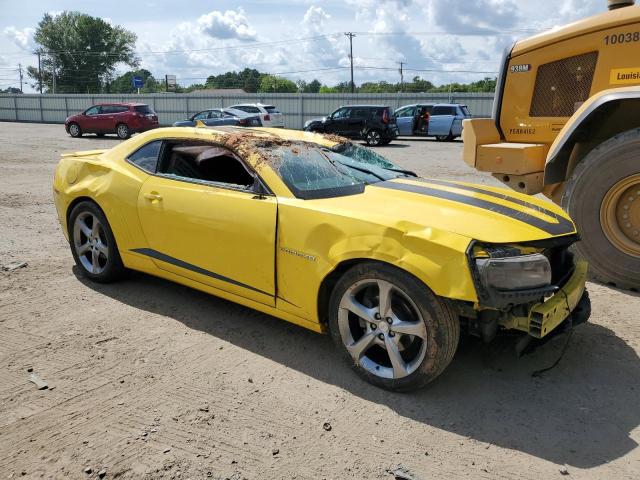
337 122
405 119
356 121
217 233
441 120
106 120
90 119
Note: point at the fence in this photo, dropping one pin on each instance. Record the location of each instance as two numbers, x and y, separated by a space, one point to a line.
296 107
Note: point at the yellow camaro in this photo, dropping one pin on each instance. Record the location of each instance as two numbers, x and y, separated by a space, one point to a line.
328 235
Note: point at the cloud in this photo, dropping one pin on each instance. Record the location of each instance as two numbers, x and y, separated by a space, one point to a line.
475 16
227 25
22 38
315 19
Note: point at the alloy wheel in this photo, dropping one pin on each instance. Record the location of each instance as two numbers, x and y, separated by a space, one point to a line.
123 131
382 328
373 137
90 243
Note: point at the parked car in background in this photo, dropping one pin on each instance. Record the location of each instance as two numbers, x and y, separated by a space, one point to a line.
221 116
375 124
269 115
444 120
123 119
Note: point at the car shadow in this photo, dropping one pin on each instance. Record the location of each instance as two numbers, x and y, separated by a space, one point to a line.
90 136
418 138
580 413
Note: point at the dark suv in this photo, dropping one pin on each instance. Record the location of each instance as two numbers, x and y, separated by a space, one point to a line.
375 124
123 119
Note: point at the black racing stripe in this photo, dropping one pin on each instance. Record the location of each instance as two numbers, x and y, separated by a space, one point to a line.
149 252
484 191
563 226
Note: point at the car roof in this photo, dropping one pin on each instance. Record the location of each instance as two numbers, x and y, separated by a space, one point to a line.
274 133
365 106
124 104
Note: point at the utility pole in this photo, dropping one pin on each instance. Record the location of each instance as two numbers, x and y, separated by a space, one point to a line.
351 35
401 77
53 71
20 73
39 71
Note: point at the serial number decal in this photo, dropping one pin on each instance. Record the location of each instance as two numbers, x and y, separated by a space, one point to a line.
621 76
627 37
520 68
522 131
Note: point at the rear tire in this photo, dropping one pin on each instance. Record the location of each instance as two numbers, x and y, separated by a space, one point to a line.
122 130
373 137
603 198
414 339
74 130
93 245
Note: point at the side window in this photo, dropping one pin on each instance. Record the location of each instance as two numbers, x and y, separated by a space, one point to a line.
341 113
107 109
443 110
146 157
247 108
93 110
359 113
121 109
214 114
205 163
406 112
201 115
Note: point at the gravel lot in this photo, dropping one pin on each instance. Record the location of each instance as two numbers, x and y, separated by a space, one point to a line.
148 379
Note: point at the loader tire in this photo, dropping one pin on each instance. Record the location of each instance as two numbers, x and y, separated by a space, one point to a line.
603 198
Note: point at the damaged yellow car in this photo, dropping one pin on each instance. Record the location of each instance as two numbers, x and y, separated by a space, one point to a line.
326 234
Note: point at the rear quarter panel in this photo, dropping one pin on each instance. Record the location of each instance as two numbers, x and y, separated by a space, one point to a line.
110 182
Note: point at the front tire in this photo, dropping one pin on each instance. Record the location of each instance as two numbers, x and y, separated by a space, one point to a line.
93 245
74 130
391 328
373 138
122 130
603 198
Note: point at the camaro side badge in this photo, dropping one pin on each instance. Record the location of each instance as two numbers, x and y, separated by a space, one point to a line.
306 256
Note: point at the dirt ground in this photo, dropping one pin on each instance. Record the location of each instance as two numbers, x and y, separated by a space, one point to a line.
148 379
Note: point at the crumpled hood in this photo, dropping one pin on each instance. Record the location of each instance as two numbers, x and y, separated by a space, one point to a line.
479 212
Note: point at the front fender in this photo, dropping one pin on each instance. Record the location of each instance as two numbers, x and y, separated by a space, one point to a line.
558 157
313 244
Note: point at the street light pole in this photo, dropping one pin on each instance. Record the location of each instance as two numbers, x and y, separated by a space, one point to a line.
351 35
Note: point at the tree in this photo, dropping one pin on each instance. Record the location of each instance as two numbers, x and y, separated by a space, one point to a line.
83 50
273 84
313 86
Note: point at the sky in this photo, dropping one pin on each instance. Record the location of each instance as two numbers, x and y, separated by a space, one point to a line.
439 40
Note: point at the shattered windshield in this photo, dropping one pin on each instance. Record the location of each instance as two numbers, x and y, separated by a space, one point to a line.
311 171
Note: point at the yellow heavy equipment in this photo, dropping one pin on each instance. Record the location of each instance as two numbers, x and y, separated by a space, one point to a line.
566 123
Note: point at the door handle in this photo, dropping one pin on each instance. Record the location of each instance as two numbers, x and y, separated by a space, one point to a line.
153 196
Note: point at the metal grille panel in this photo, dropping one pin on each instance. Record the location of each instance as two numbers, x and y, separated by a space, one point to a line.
562 85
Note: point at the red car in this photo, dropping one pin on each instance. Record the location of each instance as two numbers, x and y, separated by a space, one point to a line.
123 119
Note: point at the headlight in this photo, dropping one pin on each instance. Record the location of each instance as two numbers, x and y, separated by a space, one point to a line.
515 273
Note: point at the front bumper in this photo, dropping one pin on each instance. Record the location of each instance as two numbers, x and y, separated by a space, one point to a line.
546 316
